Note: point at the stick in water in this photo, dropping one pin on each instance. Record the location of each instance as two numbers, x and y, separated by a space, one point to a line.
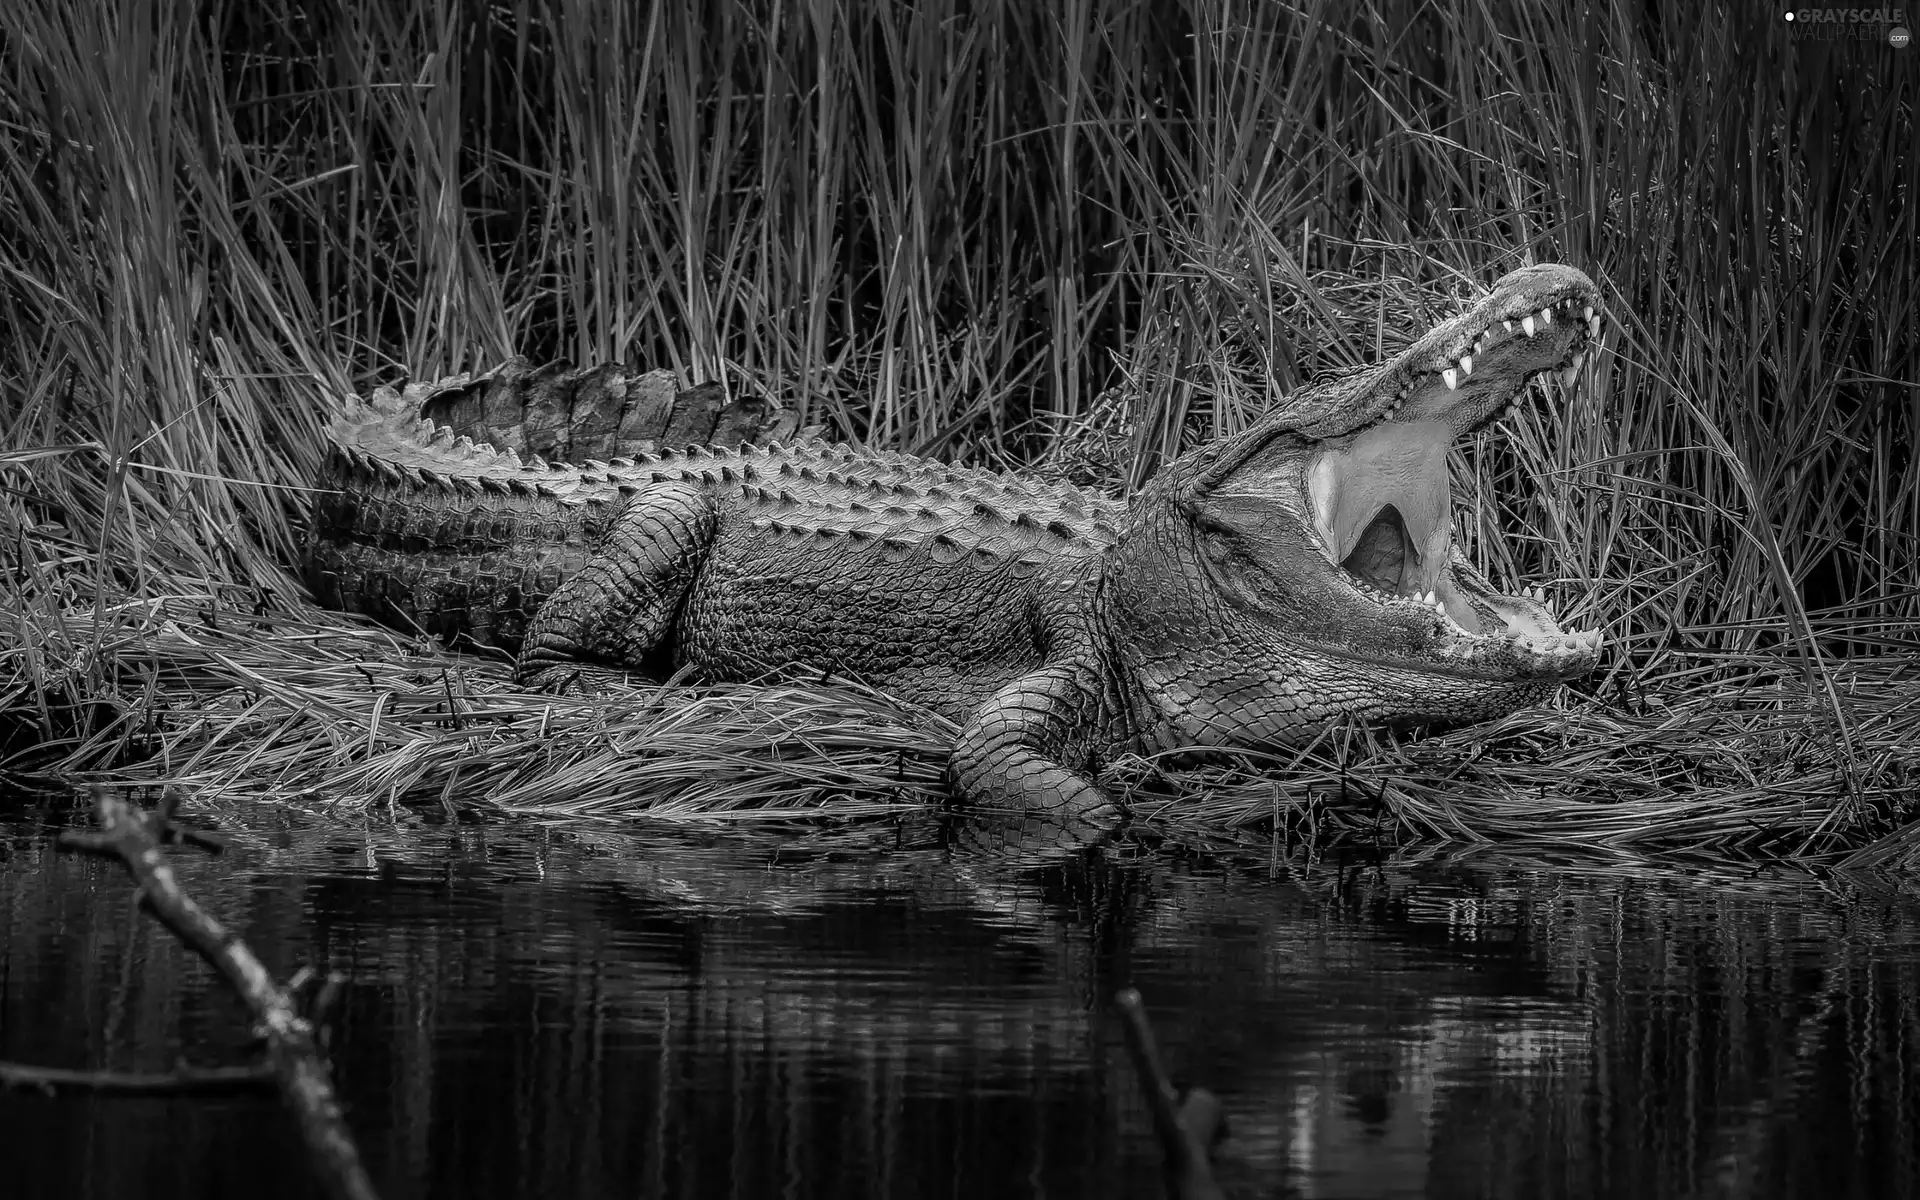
1185 1131
293 1054
187 1081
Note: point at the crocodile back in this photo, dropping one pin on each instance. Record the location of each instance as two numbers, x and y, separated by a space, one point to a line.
418 527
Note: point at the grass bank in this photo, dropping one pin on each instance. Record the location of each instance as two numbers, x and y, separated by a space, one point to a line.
1082 235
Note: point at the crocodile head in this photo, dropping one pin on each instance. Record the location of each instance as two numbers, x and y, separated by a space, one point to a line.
1305 568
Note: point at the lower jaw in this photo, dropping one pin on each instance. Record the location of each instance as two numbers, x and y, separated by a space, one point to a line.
1486 701
1450 599
1548 650
1397 694
1468 670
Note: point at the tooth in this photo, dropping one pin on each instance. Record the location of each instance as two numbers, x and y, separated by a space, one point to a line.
1479 343
1466 364
1507 325
1546 315
1579 359
1593 327
1452 377
1526 323
1587 313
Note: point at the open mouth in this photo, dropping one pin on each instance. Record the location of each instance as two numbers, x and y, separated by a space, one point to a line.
1381 497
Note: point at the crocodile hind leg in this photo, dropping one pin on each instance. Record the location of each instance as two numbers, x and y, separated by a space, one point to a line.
619 607
1015 751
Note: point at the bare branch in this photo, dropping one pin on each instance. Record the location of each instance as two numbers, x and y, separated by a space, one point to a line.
1185 1131
293 1054
186 1081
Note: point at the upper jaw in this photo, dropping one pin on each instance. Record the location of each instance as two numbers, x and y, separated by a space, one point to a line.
1465 371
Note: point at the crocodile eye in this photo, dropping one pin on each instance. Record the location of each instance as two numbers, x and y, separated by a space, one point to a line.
1217 542
1212 527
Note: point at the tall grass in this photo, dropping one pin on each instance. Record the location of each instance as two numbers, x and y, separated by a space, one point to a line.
976 230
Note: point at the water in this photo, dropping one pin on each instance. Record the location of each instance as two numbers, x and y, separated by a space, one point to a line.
591 1012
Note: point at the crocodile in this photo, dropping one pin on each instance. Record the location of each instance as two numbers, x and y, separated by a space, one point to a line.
1254 589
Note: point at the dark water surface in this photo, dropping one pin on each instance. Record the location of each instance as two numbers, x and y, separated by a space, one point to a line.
589 1012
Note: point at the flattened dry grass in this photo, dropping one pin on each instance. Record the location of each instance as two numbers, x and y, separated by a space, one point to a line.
327 712
1005 233
324 712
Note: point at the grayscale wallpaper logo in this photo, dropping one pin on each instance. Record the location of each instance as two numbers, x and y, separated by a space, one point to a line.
1850 25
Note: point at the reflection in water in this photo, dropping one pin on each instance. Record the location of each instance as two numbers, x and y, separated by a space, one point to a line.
585 1013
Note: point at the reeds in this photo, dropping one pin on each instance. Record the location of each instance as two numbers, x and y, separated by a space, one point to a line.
980 231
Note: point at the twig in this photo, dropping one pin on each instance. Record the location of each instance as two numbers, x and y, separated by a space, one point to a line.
186 1081
1185 1130
293 1055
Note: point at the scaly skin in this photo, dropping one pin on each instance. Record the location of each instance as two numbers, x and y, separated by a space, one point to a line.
1253 590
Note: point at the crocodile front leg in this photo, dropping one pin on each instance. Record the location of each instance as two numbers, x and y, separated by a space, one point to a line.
619 607
1016 750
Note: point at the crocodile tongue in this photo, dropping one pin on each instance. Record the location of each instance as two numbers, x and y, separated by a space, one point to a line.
1399 467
